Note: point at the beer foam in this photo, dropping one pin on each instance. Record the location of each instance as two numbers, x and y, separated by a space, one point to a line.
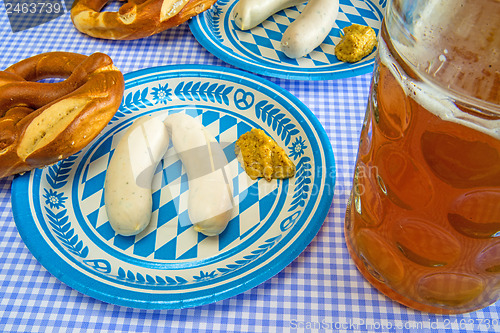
435 99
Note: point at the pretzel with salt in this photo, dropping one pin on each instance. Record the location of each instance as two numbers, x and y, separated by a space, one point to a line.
42 123
135 19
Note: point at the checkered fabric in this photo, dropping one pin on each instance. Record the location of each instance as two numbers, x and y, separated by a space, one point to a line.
319 291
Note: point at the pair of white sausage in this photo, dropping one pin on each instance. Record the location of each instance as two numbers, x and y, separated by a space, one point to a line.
304 34
127 189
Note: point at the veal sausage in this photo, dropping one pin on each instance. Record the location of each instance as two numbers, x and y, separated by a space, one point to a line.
127 187
310 28
210 200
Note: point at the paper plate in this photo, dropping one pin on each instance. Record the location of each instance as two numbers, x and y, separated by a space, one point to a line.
60 213
258 50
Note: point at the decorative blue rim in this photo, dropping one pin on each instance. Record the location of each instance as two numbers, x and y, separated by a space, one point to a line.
256 51
27 211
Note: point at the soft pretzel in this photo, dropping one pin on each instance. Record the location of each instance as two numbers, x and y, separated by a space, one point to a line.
42 123
135 19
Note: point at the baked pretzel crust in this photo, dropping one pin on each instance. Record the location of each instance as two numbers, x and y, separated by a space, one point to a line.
42 123
135 19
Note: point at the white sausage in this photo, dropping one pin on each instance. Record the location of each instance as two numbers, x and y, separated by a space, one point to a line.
310 28
127 187
210 202
250 13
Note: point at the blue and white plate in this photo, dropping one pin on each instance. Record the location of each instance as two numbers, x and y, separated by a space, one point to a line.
60 213
258 50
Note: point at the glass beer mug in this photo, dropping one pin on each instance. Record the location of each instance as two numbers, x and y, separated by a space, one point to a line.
423 221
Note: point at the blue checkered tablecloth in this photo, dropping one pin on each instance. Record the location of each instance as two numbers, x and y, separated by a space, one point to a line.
320 291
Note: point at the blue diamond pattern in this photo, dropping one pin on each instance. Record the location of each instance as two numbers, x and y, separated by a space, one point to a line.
123 242
226 122
106 231
231 233
146 245
168 211
250 197
93 217
102 150
167 251
191 253
92 185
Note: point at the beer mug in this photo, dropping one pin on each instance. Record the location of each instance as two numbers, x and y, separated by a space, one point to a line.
423 220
